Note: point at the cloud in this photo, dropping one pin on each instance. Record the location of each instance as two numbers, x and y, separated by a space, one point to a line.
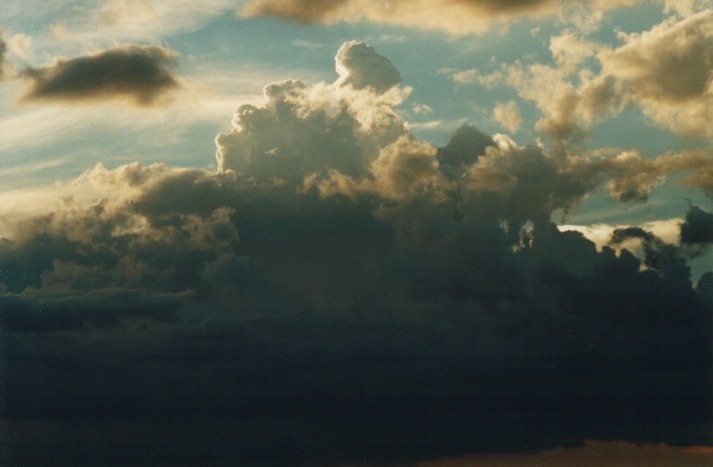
590 454
593 80
5 68
19 45
139 73
337 278
115 12
3 50
686 7
636 176
465 76
568 109
112 22
454 17
508 115
601 234
360 66
337 126
698 226
465 146
696 233
648 67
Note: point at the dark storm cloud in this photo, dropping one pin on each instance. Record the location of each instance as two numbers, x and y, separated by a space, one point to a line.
697 227
463 149
342 292
697 231
668 259
139 73
28 313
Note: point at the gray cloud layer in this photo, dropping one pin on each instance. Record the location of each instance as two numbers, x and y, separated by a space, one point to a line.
341 291
141 74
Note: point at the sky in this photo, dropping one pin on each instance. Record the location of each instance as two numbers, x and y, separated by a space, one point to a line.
288 232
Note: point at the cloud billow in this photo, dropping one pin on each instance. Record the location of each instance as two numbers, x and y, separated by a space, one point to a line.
645 71
360 66
698 227
342 291
141 74
304 129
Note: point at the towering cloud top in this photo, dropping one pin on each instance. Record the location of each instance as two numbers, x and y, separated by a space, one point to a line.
359 65
305 129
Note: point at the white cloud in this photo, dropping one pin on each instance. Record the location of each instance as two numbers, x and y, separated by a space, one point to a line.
508 116
569 50
667 229
360 66
421 109
20 45
325 126
465 76
667 71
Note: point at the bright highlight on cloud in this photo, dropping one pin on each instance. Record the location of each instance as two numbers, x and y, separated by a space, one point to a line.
340 286
665 72
141 74
338 126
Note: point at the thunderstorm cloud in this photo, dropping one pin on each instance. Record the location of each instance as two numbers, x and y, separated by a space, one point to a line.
340 290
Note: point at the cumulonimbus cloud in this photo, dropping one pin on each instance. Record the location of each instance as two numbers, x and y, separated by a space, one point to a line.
347 279
141 74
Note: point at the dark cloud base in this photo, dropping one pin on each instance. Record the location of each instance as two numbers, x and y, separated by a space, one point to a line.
337 392
231 355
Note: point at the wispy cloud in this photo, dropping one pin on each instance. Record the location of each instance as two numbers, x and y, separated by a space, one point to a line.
31 167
